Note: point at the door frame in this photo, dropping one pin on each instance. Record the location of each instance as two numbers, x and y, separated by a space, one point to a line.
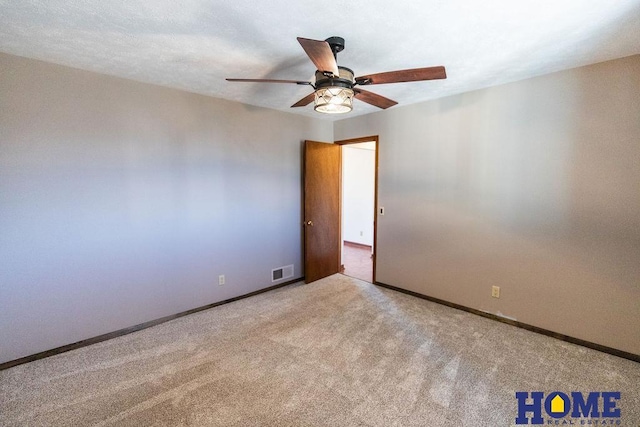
376 139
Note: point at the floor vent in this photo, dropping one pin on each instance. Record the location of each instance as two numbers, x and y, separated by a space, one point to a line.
282 273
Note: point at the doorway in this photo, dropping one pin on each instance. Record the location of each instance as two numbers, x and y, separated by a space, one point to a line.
323 241
358 207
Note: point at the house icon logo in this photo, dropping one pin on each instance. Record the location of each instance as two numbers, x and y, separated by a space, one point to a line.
557 405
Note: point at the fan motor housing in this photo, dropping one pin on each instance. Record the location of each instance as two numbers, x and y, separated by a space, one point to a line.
345 79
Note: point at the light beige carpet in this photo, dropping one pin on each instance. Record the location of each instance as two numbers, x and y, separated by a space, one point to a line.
338 352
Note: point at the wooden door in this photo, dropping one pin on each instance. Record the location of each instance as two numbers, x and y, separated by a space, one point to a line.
322 175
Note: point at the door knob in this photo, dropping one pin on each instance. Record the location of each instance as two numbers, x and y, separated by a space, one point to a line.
309 223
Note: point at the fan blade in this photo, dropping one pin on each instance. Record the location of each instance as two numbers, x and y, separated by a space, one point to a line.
374 99
320 54
269 81
413 75
305 101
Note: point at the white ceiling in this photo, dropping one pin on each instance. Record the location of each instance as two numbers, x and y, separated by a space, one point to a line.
194 44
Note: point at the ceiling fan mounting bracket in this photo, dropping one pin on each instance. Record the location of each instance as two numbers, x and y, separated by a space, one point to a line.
337 45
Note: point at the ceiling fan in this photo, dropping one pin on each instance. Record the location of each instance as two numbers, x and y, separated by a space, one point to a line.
335 86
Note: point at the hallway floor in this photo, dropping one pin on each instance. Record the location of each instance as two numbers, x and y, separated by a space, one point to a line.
357 261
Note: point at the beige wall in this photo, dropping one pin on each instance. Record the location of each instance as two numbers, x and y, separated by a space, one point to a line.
532 186
122 202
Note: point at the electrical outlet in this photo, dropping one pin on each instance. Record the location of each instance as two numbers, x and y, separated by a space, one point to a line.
495 291
221 279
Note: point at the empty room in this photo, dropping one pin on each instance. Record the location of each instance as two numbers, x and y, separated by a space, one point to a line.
218 213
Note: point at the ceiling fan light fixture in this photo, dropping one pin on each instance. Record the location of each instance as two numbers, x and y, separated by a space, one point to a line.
333 100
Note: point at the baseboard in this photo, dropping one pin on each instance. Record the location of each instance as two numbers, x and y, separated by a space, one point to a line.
141 326
356 245
578 341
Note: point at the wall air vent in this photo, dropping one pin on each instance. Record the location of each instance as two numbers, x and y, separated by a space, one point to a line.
282 273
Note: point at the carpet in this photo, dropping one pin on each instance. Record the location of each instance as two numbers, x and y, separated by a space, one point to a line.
337 352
